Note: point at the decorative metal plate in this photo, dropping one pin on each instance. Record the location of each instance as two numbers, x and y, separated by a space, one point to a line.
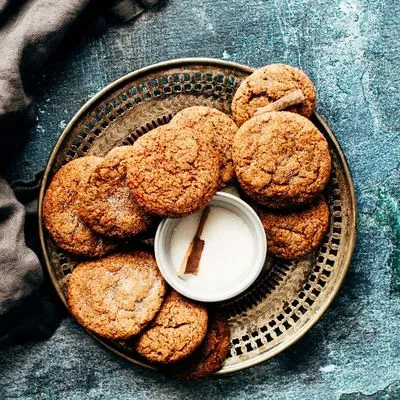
289 297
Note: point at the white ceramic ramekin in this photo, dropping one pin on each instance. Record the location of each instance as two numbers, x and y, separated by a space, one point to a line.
248 215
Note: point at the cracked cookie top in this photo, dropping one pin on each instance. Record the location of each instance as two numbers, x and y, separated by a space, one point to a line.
281 159
118 295
177 331
209 357
105 201
60 210
291 235
219 129
173 171
268 84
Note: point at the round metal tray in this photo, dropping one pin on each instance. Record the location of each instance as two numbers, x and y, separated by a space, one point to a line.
289 297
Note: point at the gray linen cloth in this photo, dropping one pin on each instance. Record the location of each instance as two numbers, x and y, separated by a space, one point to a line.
30 30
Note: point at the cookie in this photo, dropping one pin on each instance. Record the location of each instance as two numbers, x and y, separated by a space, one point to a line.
281 159
173 171
210 356
105 202
291 235
177 331
60 210
268 84
219 129
118 295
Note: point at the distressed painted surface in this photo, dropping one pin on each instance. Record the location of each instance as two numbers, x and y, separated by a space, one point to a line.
352 52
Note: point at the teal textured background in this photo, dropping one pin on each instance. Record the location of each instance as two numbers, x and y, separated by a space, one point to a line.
351 50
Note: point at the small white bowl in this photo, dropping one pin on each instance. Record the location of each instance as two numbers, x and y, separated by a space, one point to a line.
210 291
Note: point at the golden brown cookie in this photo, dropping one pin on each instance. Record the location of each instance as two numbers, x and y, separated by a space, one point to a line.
60 213
177 331
118 295
291 235
281 159
209 357
268 84
219 129
105 202
173 171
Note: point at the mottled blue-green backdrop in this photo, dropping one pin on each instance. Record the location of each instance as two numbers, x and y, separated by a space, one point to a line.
351 50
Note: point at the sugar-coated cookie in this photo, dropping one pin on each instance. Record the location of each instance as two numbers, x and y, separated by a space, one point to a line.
60 210
105 202
172 171
177 331
268 84
219 128
281 159
118 295
291 235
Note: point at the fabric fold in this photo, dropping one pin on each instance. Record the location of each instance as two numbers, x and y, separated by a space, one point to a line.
29 32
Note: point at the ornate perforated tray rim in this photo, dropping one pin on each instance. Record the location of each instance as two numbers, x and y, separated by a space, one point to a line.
246 70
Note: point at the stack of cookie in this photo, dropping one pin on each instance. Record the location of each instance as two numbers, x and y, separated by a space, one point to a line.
124 297
281 163
93 204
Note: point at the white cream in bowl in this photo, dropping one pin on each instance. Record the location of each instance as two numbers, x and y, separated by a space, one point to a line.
233 254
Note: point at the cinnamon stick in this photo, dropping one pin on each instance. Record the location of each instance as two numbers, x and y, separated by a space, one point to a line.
191 260
291 99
